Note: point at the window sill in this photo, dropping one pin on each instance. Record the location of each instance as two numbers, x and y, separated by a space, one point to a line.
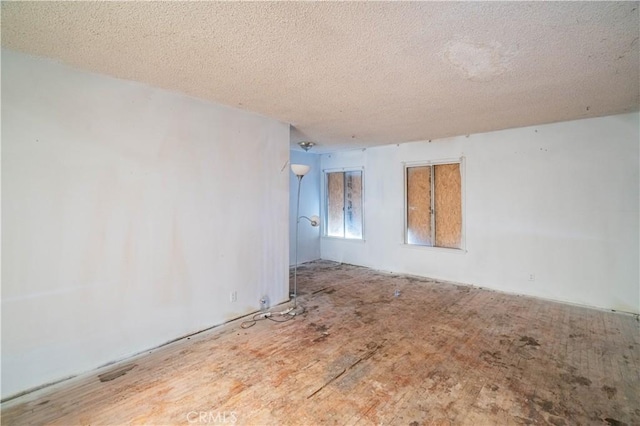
350 240
438 249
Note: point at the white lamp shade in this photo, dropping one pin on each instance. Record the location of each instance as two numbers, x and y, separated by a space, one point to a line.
300 169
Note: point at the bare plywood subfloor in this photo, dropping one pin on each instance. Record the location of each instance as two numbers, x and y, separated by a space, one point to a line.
437 354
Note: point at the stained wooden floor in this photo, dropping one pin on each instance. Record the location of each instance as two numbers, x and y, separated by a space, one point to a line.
437 354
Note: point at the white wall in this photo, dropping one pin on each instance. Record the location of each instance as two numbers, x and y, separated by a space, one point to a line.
309 237
559 201
129 214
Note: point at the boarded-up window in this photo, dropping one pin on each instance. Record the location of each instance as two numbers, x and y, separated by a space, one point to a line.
434 205
344 204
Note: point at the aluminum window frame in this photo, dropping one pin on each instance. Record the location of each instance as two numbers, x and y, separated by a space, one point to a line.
461 161
325 202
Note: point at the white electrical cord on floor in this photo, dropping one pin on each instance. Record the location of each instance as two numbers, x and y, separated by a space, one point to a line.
282 316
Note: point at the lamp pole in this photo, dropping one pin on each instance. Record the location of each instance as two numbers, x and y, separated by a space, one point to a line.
300 170
295 267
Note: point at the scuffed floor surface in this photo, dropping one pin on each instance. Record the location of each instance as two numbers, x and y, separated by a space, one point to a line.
437 354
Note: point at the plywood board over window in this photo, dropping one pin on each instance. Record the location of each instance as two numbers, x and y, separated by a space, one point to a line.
344 211
419 205
434 205
353 204
335 199
448 205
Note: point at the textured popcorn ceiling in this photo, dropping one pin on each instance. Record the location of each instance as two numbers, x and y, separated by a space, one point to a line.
357 74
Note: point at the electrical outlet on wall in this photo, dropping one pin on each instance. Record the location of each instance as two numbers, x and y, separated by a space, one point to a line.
264 303
532 277
234 296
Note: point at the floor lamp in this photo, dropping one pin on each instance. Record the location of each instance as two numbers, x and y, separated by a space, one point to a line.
299 170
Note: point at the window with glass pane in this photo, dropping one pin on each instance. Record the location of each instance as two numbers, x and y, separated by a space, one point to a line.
434 205
344 204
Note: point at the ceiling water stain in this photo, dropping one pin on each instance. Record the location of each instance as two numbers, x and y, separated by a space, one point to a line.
478 61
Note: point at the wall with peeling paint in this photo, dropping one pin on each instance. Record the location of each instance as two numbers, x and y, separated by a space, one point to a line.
129 215
308 236
559 201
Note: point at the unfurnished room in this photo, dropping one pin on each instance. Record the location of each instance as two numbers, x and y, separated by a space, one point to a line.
306 213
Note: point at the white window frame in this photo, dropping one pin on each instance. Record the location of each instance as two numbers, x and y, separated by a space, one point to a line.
463 243
325 203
